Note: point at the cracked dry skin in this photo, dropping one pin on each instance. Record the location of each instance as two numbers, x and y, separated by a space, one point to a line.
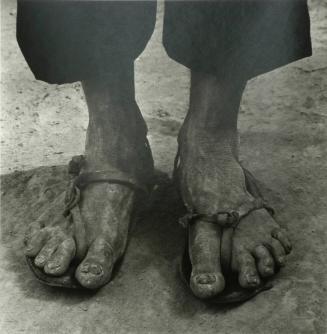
106 210
283 130
211 181
116 138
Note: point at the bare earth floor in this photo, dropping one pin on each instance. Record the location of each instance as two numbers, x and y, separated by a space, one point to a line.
284 142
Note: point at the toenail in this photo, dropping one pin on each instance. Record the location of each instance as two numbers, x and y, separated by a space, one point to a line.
40 259
92 269
85 268
205 279
252 280
268 271
53 265
95 270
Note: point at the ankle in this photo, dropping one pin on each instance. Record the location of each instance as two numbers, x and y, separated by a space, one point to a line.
116 135
214 102
211 123
202 143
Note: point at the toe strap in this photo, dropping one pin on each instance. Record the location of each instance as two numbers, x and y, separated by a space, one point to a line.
226 218
78 183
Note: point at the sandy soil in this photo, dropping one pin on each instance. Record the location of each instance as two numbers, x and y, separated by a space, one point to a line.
284 137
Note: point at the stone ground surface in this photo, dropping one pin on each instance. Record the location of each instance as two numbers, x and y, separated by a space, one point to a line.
284 137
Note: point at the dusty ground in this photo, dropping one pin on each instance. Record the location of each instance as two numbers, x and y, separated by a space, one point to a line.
283 129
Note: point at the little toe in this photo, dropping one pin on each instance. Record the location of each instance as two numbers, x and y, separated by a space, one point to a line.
282 237
265 262
46 252
278 252
95 270
60 260
248 275
34 242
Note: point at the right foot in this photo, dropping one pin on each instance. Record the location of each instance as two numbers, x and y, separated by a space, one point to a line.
106 212
116 138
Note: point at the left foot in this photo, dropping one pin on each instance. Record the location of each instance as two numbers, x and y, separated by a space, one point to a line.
212 180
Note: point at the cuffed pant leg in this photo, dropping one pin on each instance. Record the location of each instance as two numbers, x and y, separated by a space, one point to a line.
71 40
240 37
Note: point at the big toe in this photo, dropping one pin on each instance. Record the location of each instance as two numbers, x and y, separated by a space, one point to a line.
204 248
206 285
95 270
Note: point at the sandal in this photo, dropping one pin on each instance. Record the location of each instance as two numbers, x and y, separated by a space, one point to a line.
72 212
233 292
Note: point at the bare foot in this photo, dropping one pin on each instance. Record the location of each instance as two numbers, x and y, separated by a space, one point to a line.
106 211
211 181
203 189
116 138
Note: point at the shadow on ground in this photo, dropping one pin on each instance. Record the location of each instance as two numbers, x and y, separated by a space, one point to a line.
147 293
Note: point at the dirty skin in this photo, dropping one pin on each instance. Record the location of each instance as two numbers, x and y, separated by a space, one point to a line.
115 138
210 179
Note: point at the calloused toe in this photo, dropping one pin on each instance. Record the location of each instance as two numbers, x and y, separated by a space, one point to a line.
95 270
282 237
91 275
206 285
265 262
278 252
61 259
248 275
46 252
34 243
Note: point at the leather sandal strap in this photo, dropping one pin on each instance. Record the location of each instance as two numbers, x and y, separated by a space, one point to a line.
73 192
226 247
111 176
80 182
226 219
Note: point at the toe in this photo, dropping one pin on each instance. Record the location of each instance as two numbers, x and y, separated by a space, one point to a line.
60 260
204 248
34 241
278 252
46 252
248 275
265 262
206 285
95 270
281 236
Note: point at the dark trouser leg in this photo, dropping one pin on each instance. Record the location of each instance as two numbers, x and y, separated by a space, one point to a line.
236 38
71 40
